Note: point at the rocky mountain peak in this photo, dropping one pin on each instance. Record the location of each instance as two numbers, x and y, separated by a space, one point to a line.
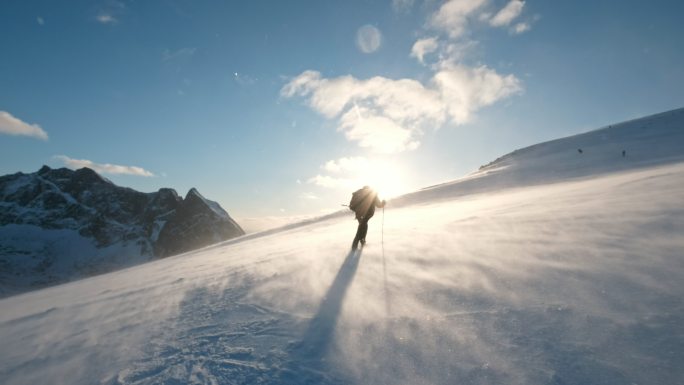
109 217
198 221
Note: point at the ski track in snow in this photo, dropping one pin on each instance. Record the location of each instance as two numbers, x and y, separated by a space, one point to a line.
569 278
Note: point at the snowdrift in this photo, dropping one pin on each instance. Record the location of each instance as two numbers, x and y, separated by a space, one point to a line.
546 267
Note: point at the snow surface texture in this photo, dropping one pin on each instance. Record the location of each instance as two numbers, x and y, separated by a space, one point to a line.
573 282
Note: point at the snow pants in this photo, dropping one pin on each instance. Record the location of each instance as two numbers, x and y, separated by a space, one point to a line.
361 232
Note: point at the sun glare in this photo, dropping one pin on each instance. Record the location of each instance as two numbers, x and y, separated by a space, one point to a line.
385 178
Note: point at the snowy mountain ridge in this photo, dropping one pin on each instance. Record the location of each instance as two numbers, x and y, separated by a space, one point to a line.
648 141
573 276
59 224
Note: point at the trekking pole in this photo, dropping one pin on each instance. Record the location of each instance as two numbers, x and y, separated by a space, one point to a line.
382 237
384 267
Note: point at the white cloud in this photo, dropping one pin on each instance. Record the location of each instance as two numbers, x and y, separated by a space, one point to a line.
13 126
452 16
334 182
40 20
110 12
368 39
343 173
507 14
377 132
456 52
103 168
520 28
390 116
379 113
105 18
402 5
326 181
347 164
309 196
423 47
464 90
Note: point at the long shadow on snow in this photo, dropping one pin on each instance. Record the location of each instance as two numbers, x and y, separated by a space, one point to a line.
319 333
310 353
219 332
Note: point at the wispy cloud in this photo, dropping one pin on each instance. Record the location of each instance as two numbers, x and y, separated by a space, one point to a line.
452 17
103 168
464 90
423 47
327 181
520 28
402 5
105 18
14 126
40 20
455 52
309 196
507 14
341 173
110 12
181 53
346 164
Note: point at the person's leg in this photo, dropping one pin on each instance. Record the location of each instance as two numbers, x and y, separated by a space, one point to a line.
364 230
360 233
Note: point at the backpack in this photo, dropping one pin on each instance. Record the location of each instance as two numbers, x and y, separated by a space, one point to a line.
356 199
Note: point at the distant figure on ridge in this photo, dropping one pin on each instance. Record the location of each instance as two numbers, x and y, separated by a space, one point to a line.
363 203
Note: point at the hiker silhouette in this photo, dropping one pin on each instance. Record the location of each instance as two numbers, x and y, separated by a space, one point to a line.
363 203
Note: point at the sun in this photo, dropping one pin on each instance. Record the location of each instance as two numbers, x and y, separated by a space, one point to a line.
386 178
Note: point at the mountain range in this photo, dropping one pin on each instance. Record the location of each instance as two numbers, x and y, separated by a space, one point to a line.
60 224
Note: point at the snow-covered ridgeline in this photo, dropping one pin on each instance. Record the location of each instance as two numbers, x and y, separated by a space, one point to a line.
648 141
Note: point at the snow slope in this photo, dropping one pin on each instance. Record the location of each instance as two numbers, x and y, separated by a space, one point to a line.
578 281
649 141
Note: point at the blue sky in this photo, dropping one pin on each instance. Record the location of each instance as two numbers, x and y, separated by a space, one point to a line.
279 108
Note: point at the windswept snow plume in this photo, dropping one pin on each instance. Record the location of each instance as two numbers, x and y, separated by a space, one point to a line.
571 275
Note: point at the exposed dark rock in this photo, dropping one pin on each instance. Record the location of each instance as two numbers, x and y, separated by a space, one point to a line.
198 222
149 225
